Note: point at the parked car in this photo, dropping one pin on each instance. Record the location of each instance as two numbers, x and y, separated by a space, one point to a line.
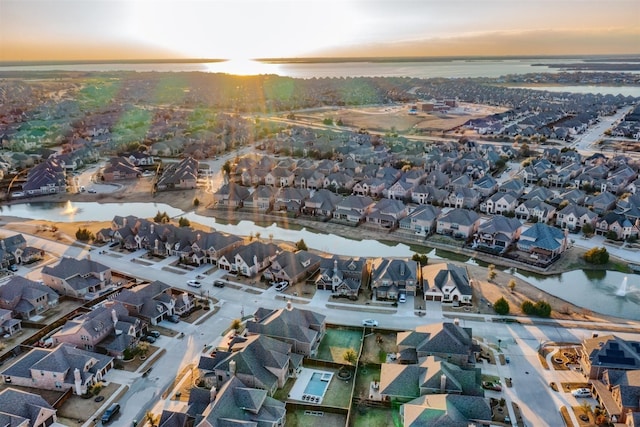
282 286
154 334
92 191
402 298
13 267
173 318
149 338
491 386
581 392
369 322
218 284
110 412
194 283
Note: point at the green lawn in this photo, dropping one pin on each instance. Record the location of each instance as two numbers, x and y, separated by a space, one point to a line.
374 417
336 342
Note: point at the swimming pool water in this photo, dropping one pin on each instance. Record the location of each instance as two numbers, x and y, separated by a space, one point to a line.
316 387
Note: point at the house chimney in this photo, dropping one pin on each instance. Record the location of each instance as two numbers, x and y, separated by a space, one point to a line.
232 367
456 321
212 394
114 316
77 379
335 267
152 227
443 383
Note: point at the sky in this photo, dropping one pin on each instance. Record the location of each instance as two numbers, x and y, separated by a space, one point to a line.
41 30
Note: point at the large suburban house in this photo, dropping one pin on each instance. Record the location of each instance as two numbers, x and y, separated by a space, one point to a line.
610 353
154 301
179 176
20 408
342 276
293 267
8 324
26 298
107 329
258 361
302 329
618 392
446 410
458 223
497 234
447 283
447 341
543 242
60 368
77 277
14 250
392 277
249 260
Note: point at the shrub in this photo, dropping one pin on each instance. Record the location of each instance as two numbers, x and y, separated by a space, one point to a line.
528 307
421 258
84 235
301 245
501 306
597 256
184 222
543 309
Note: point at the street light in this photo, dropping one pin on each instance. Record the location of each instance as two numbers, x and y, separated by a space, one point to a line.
499 341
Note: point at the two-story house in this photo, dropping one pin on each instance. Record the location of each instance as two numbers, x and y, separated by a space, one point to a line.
77 277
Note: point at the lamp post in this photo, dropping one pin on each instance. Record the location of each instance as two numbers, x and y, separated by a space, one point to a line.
499 341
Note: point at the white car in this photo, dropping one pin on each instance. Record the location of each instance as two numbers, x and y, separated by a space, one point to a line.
369 322
402 298
581 392
194 283
282 286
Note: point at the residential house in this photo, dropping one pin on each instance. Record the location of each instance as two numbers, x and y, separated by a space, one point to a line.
447 341
535 210
77 277
339 181
293 267
608 352
14 250
8 324
233 403
486 186
140 158
48 177
386 213
61 368
20 408
309 178
249 260
392 277
401 190
302 329
602 202
618 393
430 376
513 185
500 203
353 209
458 223
574 217
120 168
107 329
421 221
342 276
26 298
428 194
575 196
463 198
261 199
279 177
323 203
540 194
618 224
372 186
231 195
290 199
497 234
258 361
179 176
543 242
445 410
447 283
154 301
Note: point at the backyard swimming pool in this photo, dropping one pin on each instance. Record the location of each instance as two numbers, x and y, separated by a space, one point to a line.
317 384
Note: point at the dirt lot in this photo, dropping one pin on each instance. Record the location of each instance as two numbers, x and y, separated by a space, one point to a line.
386 117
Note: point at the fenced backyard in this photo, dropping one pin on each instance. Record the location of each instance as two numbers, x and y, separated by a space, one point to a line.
337 341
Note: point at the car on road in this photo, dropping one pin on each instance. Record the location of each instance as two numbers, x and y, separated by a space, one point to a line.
282 286
369 322
581 392
92 191
491 386
110 412
154 334
194 283
218 284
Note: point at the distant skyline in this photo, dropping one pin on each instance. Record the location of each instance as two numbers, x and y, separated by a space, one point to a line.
42 30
